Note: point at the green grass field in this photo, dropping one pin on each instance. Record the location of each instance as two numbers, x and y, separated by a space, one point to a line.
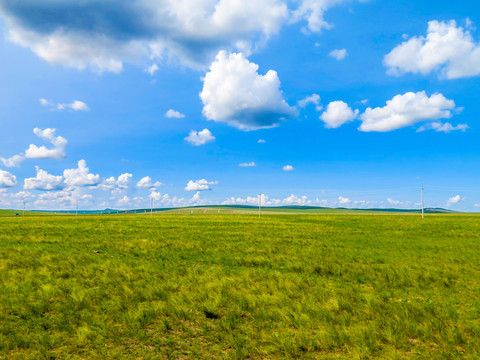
240 287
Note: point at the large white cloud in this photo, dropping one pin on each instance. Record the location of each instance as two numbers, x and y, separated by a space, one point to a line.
406 110
102 35
7 179
200 185
43 181
80 176
42 152
446 48
337 114
234 93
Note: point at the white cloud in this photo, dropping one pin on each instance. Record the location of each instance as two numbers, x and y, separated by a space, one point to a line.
200 185
198 138
43 181
338 54
248 164
42 152
196 197
443 127
337 114
7 179
76 105
288 168
313 12
44 102
447 49
116 185
234 93
454 200
261 141
167 200
405 110
124 201
146 183
174 114
343 200
102 36
123 180
295 200
13 161
152 69
312 99
80 176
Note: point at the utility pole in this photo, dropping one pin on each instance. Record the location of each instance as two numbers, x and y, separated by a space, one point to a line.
422 202
76 212
151 206
23 208
259 204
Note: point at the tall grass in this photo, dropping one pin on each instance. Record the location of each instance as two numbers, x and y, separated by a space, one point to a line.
237 287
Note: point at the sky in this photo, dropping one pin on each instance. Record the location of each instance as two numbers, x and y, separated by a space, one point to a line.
338 103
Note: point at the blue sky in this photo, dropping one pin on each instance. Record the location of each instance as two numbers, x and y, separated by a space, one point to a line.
357 103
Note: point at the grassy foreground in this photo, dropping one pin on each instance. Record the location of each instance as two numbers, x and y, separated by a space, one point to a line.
237 287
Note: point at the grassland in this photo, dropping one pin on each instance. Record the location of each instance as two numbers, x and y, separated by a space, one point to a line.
240 287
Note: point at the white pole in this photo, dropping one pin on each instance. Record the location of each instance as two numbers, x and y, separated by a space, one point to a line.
76 212
422 202
23 207
259 204
151 206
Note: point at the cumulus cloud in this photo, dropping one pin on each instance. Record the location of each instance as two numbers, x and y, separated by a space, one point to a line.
13 161
234 93
337 114
167 200
311 99
338 54
146 183
80 177
200 185
454 200
343 200
43 181
247 164
288 168
313 12
152 69
443 127
447 49
406 110
174 114
196 197
103 35
261 141
7 179
42 152
119 184
76 105
198 138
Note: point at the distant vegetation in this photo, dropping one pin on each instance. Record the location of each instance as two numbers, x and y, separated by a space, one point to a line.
240 287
